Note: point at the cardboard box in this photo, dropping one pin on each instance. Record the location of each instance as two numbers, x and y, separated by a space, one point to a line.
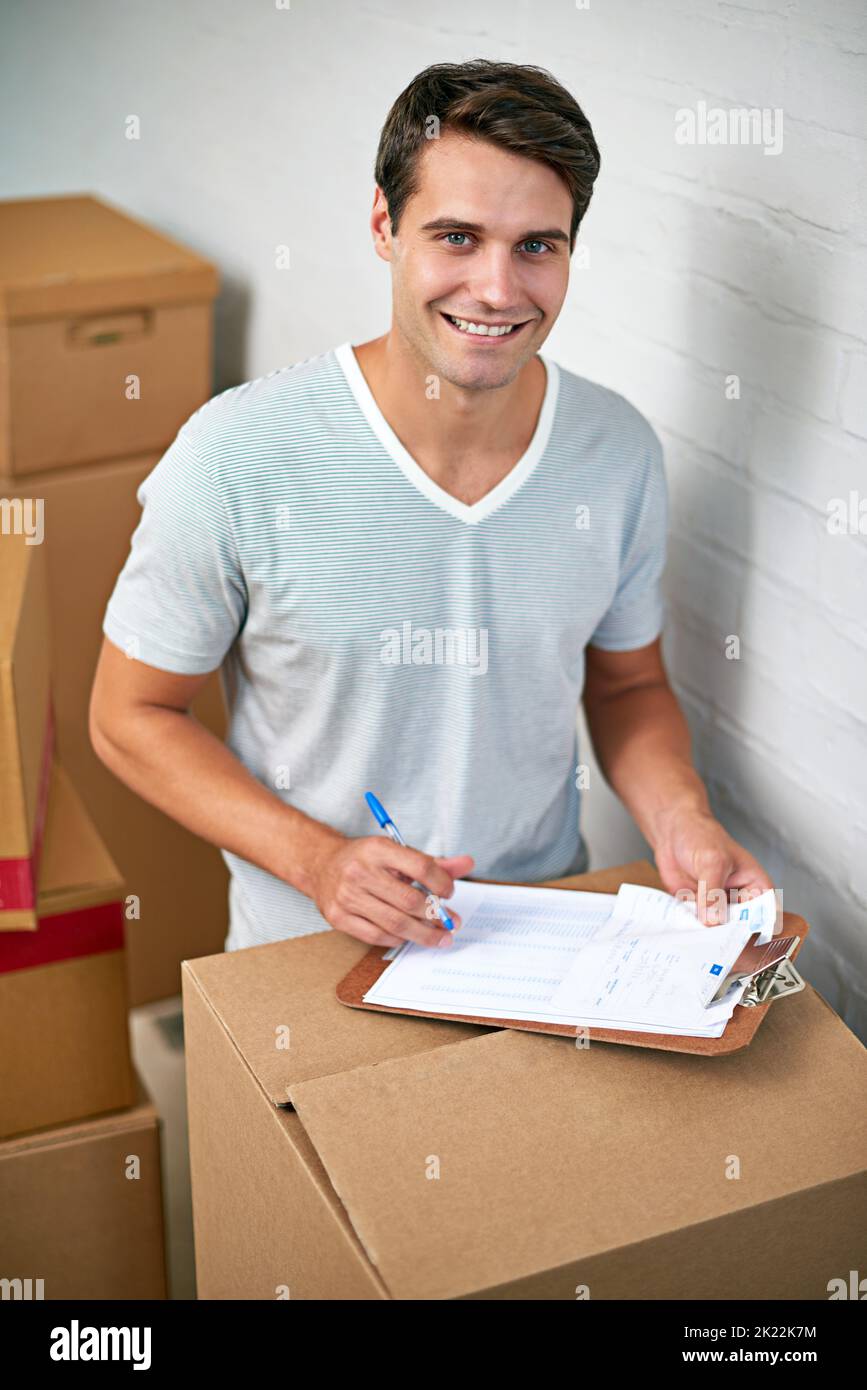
74 1221
340 1153
181 881
105 334
26 724
64 1038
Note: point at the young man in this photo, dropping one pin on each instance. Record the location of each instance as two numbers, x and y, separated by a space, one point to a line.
410 559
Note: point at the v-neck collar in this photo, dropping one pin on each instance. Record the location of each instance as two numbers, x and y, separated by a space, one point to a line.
415 474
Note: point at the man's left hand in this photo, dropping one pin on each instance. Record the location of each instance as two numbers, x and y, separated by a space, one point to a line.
695 853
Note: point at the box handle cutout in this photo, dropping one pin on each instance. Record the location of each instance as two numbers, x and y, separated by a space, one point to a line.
105 330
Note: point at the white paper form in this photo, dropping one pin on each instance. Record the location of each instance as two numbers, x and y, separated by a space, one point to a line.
654 963
512 951
661 978
652 908
517 953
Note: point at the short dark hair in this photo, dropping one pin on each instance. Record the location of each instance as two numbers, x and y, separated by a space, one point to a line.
517 106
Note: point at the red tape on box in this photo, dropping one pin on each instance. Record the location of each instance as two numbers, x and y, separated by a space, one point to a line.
65 936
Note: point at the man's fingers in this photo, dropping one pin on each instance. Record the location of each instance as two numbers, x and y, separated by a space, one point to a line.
749 881
364 930
398 891
408 902
699 862
424 930
382 898
424 868
701 879
712 868
749 877
383 891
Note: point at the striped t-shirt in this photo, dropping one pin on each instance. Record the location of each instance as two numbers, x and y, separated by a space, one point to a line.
376 634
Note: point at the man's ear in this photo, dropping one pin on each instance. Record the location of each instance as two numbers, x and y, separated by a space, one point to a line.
380 225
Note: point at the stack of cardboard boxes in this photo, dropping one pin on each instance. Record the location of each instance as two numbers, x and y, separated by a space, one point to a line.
80 1196
105 340
105 351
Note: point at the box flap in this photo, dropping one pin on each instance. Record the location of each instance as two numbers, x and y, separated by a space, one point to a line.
15 556
596 1148
25 733
278 1005
79 254
76 869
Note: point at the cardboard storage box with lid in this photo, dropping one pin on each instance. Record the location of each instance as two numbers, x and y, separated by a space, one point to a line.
64 1035
26 718
105 334
341 1154
90 512
81 1212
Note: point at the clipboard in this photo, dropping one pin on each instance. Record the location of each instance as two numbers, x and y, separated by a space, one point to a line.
765 989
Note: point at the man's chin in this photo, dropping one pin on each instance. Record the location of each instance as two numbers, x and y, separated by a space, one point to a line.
475 370
487 381
480 375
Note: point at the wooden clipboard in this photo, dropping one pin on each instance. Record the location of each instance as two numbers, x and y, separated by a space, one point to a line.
739 1032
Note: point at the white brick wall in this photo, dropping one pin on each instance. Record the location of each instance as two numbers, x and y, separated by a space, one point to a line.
707 261
259 128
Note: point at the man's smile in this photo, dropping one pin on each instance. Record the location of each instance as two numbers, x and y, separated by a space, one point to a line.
482 331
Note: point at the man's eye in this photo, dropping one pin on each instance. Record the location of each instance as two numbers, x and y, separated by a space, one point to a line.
542 245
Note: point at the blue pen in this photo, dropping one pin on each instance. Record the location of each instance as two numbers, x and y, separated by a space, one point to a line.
388 825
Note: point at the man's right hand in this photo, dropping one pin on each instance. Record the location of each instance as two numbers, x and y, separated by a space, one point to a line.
363 887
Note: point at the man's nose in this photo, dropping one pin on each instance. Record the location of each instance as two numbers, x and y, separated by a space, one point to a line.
496 280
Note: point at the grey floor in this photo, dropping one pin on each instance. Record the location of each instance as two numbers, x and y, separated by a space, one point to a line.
156 1032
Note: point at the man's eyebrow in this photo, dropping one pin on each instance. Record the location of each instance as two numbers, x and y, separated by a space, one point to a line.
455 224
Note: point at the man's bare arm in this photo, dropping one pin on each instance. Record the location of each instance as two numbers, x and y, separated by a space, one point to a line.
643 745
142 729
640 736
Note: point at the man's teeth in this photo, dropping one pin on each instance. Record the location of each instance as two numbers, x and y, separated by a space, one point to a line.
483 329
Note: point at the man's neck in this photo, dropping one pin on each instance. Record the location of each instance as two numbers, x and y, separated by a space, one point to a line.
466 441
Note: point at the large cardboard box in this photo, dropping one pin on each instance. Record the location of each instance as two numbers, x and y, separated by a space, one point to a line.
105 333
64 1037
81 1209
26 722
180 881
339 1153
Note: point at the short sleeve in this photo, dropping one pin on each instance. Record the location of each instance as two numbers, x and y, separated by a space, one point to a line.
635 617
180 600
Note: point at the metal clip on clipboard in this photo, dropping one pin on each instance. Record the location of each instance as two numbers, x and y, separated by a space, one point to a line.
769 981
774 983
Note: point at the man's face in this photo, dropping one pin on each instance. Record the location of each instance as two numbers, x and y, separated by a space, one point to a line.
484 240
